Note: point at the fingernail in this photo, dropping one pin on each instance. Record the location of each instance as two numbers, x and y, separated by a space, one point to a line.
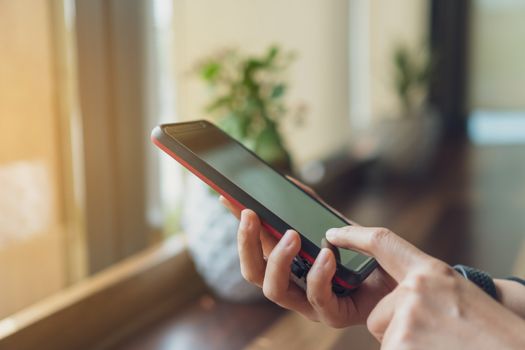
287 239
331 233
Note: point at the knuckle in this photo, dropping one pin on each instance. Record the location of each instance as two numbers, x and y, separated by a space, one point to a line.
277 262
435 271
271 293
378 236
315 299
449 277
440 268
313 294
275 257
312 279
413 309
405 335
417 283
242 236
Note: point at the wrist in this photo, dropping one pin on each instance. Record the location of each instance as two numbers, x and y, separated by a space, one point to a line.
480 278
511 294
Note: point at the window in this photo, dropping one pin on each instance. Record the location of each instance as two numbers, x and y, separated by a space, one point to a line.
375 29
496 58
79 179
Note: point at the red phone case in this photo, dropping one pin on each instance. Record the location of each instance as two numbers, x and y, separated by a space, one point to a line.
232 200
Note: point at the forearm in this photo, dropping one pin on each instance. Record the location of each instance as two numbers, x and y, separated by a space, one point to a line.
512 295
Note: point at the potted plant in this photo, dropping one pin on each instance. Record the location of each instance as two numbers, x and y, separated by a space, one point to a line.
246 101
408 140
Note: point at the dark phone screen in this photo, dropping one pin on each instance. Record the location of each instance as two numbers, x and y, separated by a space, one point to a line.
265 185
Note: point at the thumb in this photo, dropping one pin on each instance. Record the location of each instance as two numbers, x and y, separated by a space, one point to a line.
395 255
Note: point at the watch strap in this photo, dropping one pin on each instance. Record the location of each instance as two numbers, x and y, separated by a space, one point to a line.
480 278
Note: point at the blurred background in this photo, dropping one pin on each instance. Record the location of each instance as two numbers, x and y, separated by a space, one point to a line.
406 114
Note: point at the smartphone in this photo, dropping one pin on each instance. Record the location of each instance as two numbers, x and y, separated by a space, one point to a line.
248 182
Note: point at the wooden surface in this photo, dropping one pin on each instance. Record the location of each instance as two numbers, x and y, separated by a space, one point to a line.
470 209
207 324
99 311
297 333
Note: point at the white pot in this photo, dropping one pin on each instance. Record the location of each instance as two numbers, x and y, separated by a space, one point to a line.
212 240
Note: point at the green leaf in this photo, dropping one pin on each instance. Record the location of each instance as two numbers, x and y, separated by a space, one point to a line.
231 125
218 103
210 71
247 97
268 145
278 90
272 53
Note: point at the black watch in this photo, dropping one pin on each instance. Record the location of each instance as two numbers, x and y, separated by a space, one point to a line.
480 278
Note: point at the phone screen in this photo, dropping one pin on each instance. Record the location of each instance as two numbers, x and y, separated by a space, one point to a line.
267 186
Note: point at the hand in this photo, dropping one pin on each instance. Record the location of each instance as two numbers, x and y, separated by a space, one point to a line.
411 301
432 307
266 263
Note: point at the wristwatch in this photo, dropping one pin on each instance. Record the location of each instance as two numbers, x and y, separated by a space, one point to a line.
480 278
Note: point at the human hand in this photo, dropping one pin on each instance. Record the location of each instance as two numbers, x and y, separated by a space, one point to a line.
266 263
432 307
413 301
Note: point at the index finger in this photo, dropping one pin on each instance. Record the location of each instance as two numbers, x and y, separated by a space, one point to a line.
395 255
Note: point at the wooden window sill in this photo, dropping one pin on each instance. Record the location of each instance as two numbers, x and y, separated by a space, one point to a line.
109 305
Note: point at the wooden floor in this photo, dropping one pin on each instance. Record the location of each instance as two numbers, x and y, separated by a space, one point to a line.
470 209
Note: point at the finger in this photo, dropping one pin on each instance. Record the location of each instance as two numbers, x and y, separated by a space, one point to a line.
395 255
250 249
382 314
333 248
319 291
396 331
267 240
277 286
232 208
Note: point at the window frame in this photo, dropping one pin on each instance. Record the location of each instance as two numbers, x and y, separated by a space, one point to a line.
112 44
153 279
86 315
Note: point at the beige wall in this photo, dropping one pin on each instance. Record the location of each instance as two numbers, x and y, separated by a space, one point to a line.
392 23
319 32
32 263
497 76
315 29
